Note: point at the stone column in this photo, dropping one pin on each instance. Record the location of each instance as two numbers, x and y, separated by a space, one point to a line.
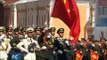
15 16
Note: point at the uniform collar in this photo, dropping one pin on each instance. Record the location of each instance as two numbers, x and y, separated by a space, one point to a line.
52 36
30 39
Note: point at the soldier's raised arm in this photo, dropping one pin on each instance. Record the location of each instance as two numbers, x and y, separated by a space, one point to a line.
20 46
9 47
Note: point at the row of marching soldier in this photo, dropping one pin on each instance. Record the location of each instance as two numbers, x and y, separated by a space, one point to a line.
38 43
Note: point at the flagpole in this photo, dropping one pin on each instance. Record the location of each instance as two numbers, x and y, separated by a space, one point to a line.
47 17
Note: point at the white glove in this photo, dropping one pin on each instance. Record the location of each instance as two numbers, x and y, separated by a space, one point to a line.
26 50
59 51
44 47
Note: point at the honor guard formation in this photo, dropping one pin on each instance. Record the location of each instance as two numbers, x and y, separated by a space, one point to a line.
27 43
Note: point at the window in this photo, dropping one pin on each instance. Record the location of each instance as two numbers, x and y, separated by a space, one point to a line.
32 16
102 10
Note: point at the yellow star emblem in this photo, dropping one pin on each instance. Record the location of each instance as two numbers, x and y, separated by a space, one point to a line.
64 1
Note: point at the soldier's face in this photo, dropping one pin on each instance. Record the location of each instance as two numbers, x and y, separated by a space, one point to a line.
61 34
30 34
17 33
1 33
38 32
10 33
53 33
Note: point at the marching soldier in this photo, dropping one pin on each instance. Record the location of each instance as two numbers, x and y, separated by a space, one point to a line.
24 32
59 45
10 33
4 44
41 36
2 32
99 50
94 54
38 32
20 32
50 42
69 49
29 45
15 53
51 37
79 52
86 51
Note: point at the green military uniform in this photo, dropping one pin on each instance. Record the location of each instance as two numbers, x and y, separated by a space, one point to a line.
43 54
51 37
59 46
38 37
10 33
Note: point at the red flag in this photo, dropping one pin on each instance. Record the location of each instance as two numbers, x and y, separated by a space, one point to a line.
67 11
94 55
79 55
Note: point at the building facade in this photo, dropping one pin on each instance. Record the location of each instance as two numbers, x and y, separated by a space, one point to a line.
28 14
101 19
